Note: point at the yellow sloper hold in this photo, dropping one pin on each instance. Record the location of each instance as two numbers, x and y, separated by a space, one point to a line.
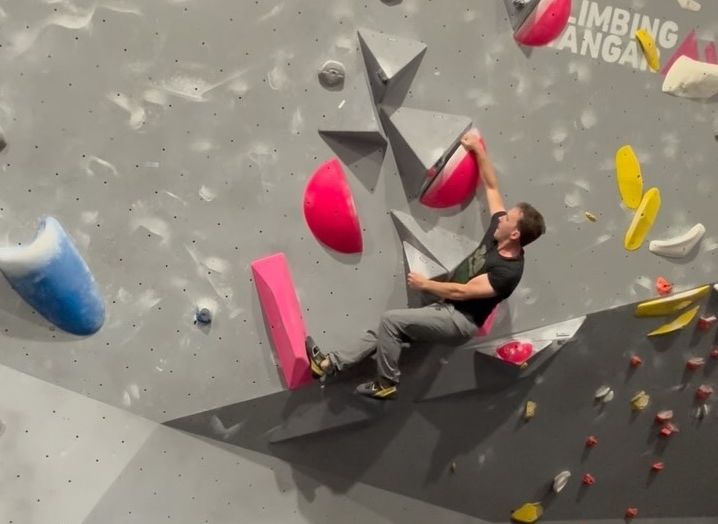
643 219
648 45
628 176
660 307
679 323
529 512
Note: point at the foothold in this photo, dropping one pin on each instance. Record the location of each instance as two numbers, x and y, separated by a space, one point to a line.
636 361
660 307
695 363
691 5
703 392
640 401
643 219
714 353
590 216
650 50
702 411
330 211
691 79
452 467
515 352
603 392
705 323
679 323
203 316
545 23
664 416
529 410
631 513
560 481
528 513
629 178
668 430
51 275
332 73
680 245
591 441
657 466
663 286
588 480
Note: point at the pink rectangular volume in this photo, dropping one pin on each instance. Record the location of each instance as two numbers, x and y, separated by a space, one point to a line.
485 329
283 315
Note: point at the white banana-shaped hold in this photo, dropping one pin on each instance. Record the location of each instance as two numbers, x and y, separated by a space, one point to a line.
679 246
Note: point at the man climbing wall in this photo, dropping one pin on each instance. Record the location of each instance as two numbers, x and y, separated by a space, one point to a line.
485 278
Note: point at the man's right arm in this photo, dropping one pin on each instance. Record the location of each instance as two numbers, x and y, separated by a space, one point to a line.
473 144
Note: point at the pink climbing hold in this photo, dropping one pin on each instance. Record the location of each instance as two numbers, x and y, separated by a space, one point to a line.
456 183
545 23
487 326
329 209
515 352
283 315
689 48
711 54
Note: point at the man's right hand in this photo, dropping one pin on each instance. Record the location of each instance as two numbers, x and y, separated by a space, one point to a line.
472 142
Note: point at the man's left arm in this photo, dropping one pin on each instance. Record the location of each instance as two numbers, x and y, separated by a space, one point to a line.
476 288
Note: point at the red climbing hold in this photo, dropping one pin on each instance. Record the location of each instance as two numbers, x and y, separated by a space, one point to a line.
588 479
705 323
455 183
714 353
515 352
591 442
657 466
631 513
663 286
668 429
636 361
329 209
545 23
695 363
664 416
703 392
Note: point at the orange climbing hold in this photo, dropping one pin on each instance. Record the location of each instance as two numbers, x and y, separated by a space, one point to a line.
663 286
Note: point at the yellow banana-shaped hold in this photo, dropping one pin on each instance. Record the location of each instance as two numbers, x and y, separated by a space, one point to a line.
643 219
672 304
648 45
628 176
679 323
529 512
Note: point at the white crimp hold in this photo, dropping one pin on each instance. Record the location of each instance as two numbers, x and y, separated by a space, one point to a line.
560 481
691 5
691 79
603 391
680 245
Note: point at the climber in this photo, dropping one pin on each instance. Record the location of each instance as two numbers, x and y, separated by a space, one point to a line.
488 276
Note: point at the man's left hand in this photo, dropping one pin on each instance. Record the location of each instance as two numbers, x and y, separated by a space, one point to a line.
416 280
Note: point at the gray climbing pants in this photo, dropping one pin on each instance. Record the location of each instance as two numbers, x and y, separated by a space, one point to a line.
438 322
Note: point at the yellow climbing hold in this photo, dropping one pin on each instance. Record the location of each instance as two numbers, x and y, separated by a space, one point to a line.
529 512
628 175
590 216
669 305
529 410
640 401
643 219
648 45
679 323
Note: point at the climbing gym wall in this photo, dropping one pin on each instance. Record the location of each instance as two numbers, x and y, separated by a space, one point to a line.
191 187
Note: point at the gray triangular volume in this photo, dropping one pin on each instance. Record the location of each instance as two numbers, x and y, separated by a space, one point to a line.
421 141
418 262
388 58
519 11
355 117
444 246
324 416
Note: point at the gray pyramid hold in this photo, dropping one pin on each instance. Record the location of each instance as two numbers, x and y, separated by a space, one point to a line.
444 246
325 415
355 117
390 61
418 262
422 142
519 11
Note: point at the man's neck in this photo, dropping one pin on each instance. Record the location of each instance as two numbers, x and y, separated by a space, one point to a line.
509 249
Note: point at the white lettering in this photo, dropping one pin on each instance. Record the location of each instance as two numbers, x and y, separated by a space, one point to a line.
592 42
619 25
596 19
582 13
611 48
668 35
630 54
569 40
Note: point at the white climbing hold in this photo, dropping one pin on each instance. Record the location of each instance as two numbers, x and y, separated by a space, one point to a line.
691 5
560 481
604 393
691 79
332 73
680 245
702 411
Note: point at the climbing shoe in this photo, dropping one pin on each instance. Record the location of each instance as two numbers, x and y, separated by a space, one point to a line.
377 390
316 357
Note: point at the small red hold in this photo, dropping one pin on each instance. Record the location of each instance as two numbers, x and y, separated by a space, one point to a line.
631 513
588 480
714 353
703 392
657 466
668 429
663 286
664 416
695 363
705 323
591 442
636 361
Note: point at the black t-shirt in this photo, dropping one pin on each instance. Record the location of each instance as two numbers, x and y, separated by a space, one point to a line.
504 274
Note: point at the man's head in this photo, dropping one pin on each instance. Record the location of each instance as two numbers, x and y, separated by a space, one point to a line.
522 224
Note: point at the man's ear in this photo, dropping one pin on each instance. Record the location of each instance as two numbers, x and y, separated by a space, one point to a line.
515 234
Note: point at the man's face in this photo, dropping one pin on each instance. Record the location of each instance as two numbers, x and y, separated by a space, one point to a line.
508 225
